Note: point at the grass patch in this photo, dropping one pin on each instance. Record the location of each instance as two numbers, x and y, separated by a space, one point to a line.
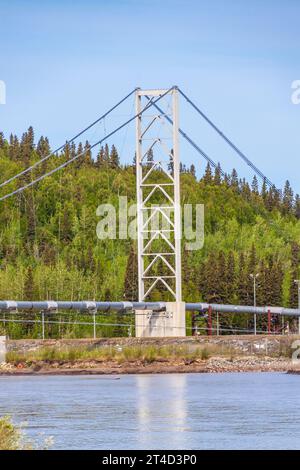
205 354
143 353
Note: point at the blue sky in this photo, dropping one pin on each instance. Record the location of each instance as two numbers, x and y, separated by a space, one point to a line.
66 62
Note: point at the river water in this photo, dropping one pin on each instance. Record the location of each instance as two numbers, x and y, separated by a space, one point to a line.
185 411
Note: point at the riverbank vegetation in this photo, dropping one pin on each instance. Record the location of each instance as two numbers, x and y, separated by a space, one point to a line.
149 359
10 436
49 248
146 354
13 437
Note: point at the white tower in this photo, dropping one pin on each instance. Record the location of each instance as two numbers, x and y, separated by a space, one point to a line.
158 212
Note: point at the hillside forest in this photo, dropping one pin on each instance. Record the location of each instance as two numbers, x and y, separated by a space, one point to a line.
49 248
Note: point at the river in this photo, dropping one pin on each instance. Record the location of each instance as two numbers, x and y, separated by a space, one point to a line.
185 411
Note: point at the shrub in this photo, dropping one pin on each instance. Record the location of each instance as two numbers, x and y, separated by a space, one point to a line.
9 436
13 438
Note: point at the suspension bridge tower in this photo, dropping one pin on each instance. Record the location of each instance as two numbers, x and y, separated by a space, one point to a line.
158 212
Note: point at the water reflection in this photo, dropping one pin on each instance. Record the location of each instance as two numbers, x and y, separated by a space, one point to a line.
161 411
188 411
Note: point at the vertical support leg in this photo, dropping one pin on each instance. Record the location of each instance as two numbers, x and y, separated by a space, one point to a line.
209 321
43 324
193 324
255 327
177 212
2 349
139 179
269 322
94 323
218 325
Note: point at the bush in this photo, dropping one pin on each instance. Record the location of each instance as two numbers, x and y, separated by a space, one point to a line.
13 438
10 437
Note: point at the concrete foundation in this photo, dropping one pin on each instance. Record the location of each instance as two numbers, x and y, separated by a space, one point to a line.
170 322
2 349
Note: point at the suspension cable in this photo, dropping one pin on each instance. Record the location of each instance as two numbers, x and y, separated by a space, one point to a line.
68 141
196 147
232 145
199 150
63 165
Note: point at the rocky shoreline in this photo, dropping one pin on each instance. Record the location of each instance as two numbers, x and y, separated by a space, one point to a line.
166 366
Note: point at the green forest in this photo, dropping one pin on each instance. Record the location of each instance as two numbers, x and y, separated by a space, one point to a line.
49 248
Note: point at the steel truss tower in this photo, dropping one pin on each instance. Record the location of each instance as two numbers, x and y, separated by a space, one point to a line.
158 195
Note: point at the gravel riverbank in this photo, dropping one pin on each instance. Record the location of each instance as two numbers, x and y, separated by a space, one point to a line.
211 365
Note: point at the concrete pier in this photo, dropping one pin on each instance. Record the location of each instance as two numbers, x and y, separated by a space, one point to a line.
2 349
167 323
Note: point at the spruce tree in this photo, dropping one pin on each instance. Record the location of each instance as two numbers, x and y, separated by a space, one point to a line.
106 154
287 199
14 148
182 168
193 170
276 198
218 175
30 138
252 260
73 152
243 283
234 181
87 158
67 151
264 190
79 160
294 290
43 147
100 158
114 157
207 178
227 180
29 285
245 190
297 206
209 287
262 284
66 228
295 274
254 185
277 273
2 140
26 148
221 278
131 276
230 278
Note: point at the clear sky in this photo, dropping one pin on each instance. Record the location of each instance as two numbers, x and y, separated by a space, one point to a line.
65 62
